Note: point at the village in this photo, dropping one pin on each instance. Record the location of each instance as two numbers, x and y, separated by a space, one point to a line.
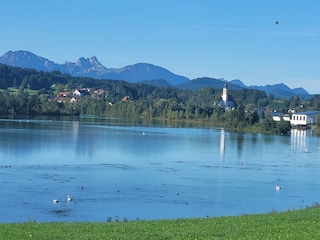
302 119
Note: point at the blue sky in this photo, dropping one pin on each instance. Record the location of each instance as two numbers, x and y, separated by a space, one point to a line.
231 39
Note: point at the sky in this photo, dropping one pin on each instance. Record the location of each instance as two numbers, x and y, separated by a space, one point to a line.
230 39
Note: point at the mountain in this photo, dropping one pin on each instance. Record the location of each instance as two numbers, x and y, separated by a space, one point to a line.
140 72
91 67
146 72
26 59
157 83
238 82
283 91
199 83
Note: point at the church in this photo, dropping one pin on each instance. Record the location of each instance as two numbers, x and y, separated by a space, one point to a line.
226 100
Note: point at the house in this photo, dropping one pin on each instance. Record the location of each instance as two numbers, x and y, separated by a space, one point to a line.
278 117
73 100
303 119
80 93
286 117
64 94
125 98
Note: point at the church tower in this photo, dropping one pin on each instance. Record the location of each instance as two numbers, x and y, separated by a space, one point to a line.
225 94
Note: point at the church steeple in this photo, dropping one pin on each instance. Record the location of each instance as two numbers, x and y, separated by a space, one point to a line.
225 94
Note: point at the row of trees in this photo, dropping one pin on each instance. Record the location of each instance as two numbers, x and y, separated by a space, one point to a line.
145 101
21 103
199 106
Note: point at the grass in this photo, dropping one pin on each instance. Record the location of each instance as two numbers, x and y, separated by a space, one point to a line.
298 224
15 90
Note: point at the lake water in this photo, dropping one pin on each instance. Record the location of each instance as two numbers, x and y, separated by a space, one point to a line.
117 170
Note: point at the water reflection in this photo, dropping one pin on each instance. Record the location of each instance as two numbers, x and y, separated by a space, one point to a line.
75 125
238 142
149 171
240 139
222 143
299 139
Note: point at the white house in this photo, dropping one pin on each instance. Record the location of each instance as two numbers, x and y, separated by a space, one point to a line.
286 117
304 118
276 117
80 93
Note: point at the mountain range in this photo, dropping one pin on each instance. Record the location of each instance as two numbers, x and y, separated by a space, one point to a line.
140 72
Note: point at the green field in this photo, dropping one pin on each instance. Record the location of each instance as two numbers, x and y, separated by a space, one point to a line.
298 224
15 90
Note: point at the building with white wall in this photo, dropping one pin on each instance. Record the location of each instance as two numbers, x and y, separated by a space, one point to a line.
226 99
303 119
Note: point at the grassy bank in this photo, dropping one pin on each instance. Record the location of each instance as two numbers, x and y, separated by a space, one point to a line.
298 224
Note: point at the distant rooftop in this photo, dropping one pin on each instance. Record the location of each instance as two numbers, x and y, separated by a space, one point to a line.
307 113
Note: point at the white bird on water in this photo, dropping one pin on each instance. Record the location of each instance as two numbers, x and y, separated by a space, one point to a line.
69 198
278 187
54 200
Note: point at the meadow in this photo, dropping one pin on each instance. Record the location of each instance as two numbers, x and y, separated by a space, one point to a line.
293 224
16 90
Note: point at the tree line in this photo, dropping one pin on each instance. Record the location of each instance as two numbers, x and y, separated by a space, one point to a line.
252 111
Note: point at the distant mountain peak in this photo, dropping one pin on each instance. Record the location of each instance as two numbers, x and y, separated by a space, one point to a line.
94 61
91 67
26 59
238 82
83 63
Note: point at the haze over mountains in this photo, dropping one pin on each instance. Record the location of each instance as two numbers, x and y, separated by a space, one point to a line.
140 72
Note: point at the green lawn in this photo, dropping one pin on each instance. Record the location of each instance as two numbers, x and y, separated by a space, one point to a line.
15 90
298 224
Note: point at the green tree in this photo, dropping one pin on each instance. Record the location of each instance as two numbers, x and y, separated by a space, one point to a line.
294 102
240 113
283 127
318 122
268 125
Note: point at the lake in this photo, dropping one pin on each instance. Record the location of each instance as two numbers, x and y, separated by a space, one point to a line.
116 170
